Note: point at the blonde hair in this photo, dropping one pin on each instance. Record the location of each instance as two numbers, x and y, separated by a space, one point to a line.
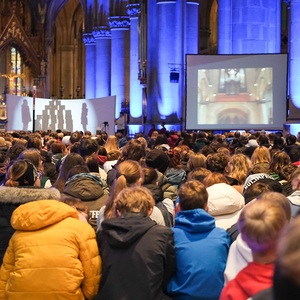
196 160
128 173
260 155
238 167
111 143
289 251
261 222
134 200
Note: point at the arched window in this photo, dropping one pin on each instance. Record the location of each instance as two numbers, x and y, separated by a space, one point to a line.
15 68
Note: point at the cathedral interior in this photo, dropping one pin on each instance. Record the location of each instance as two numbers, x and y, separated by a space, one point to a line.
135 50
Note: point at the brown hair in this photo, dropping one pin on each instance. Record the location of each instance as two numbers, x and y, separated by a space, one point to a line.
214 178
196 160
192 195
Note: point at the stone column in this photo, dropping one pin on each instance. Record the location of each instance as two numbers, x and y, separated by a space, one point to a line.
90 59
119 26
102 37
294 54
135 86
249 26
169 50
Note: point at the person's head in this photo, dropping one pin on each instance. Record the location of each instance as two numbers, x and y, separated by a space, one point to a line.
150 175
260 155
217 162
263 140
128 173
279 159
261 223
295 180
238 166
75 137
255 190
175 161
133 150
79 169
92 164
58 147
34 142
214 178
113 155
192 195
196 160
291 139
158 160
22 173
286 281
136 200
111 143
34 156
198 174
71 160
88 146
82 209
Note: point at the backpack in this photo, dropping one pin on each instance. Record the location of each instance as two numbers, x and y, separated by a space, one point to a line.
168 218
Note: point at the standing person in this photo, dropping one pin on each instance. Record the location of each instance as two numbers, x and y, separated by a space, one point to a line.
201 247
138 255
52 255
163 129
120 122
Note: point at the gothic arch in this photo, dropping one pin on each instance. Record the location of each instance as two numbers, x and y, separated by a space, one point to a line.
15 36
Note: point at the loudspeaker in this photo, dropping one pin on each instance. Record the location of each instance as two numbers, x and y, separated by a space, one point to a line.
174 77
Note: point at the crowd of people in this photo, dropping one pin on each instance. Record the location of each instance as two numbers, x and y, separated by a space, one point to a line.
169 215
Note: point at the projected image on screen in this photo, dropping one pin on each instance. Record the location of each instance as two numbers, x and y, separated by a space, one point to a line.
235 96
236 91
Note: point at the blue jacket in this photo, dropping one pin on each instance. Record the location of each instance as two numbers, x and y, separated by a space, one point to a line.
201 254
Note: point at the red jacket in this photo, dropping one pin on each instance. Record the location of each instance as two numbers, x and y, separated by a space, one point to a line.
248 282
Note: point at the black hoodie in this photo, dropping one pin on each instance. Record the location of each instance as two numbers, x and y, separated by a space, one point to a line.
138 258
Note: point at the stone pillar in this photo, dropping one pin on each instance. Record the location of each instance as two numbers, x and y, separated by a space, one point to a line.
102 37
90 64
169 50
135 86
119 26
249 26
191 27
67 79
294 54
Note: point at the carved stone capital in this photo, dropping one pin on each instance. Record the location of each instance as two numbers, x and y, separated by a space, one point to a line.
133 10
88 39
119 22
101 32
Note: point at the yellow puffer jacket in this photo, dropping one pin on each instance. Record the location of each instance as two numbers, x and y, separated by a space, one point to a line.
52 255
